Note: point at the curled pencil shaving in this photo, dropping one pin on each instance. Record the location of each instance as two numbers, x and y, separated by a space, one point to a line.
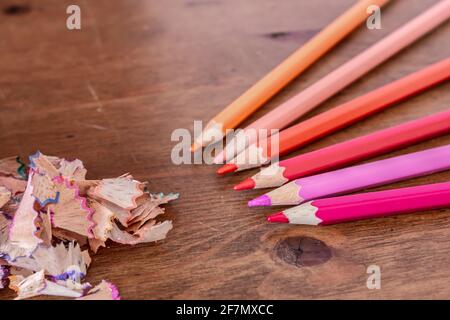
44 224
45 190
9 209
16 271
85 185
73 170
120 214
58 261
54 166
8 251
122 191
5 196
103 219
43 165
137 225
68 207
148 209
71 212
148 233
67 236
104 291
40 220
37 284
14 185
4 274
23 229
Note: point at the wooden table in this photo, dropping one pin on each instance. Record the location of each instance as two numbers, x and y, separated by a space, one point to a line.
112 93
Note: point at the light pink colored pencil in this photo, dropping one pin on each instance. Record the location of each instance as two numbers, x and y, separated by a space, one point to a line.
328 86
367 205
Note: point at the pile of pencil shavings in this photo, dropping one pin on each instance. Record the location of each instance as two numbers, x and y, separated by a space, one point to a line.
49 215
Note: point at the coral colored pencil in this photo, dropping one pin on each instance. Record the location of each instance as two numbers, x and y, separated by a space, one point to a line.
335 81
289 69
359 177
367 205
351 151
346 114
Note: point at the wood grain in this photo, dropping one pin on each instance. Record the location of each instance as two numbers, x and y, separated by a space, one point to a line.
112 93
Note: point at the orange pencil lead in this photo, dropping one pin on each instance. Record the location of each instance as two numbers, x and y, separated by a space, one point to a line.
228 168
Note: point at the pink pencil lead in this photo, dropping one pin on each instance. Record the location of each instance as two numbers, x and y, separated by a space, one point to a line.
262 201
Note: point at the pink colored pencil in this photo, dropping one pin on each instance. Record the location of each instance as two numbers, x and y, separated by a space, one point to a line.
358 177
340 78
367 205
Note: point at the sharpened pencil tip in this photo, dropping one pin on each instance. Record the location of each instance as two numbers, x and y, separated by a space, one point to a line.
278 217
228 168
247 184
262 201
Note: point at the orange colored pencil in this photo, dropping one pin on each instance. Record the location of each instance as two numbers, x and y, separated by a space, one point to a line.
346 114
289 69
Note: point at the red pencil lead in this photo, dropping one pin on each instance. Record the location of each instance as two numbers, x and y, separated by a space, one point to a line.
278 217
228 168
247 184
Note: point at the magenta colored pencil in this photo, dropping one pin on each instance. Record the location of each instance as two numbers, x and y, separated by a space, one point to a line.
367 205
358 177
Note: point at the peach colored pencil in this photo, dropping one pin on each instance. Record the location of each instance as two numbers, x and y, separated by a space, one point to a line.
328 86
285 72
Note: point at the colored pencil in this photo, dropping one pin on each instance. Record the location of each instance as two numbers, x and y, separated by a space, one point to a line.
358 177
367 205
351 151
285 72
346 114
335 81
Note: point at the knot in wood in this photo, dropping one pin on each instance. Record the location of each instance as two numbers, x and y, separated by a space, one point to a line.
303 251
16 9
